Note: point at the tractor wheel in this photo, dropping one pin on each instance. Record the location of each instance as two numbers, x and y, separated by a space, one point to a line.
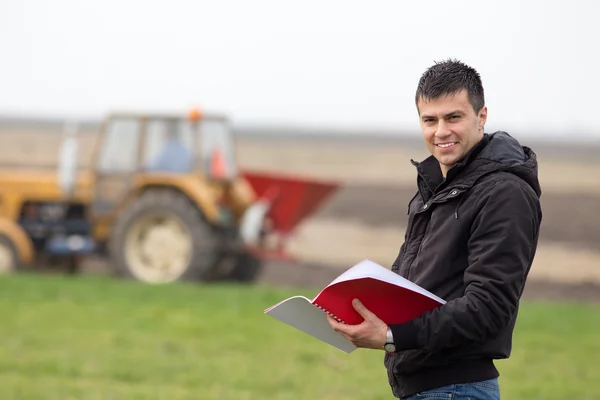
162 238
9 259
246 269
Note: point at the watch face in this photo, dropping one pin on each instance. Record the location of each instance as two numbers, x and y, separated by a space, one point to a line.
389 347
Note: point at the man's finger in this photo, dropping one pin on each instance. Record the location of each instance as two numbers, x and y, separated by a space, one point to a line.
343 328
348 337
333 322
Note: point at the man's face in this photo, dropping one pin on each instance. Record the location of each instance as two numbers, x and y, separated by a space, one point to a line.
450 127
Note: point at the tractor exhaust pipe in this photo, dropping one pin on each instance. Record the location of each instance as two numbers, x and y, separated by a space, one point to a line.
67 162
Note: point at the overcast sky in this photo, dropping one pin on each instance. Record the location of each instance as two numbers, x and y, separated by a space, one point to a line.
322 63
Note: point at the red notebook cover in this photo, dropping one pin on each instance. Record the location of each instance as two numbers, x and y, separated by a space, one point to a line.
391 303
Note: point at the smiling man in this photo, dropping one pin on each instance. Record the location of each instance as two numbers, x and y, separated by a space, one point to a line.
472 234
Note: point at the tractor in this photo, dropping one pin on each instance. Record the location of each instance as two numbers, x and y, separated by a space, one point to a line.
163 198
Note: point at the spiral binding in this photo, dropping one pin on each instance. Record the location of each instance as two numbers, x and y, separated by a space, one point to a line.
336 318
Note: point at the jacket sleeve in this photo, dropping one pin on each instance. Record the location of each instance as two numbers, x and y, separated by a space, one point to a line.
501 246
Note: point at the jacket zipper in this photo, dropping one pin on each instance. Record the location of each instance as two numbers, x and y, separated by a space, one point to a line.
423 209
454 191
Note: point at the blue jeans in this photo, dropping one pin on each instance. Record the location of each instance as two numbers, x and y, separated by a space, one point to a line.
485 390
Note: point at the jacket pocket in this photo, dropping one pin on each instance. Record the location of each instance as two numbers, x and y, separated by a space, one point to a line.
451 194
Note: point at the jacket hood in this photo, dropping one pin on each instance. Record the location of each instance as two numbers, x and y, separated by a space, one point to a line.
497 151
504 153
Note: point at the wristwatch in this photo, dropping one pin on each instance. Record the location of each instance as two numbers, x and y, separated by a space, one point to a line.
389 342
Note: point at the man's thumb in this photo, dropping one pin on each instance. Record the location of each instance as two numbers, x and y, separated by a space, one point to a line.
360 308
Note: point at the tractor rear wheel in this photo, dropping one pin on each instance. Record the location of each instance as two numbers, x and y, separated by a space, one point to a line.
162 238
8 256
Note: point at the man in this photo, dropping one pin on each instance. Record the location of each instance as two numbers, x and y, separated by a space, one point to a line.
175 156
472 234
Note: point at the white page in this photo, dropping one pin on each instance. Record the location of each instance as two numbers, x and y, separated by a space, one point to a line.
301 314
370 269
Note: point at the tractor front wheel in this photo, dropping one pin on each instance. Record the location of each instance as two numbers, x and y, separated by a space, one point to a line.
162 238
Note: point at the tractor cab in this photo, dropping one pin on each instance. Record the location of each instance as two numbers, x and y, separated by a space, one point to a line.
167 144
161 148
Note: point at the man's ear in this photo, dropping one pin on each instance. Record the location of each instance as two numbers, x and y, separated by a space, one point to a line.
482 118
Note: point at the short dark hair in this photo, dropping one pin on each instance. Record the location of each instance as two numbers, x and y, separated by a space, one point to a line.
448 77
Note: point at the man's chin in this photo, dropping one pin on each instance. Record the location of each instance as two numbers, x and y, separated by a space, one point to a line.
446 159
446 162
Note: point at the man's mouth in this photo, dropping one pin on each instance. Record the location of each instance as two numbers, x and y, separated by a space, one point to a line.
446 145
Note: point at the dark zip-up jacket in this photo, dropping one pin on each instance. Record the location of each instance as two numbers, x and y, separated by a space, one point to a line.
471 239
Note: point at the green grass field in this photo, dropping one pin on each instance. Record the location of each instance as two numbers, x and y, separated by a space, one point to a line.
97 338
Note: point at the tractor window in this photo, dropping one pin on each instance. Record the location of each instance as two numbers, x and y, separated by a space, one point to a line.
120 145
169 146
218 151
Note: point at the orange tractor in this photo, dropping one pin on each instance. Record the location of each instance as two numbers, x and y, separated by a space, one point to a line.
163 198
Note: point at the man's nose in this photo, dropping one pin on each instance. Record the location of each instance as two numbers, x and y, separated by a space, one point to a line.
443 129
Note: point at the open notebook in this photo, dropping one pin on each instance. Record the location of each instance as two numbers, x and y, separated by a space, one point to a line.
391 297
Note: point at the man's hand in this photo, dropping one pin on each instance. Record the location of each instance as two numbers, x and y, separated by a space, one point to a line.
370 334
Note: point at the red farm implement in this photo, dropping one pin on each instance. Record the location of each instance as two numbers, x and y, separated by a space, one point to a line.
291 200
